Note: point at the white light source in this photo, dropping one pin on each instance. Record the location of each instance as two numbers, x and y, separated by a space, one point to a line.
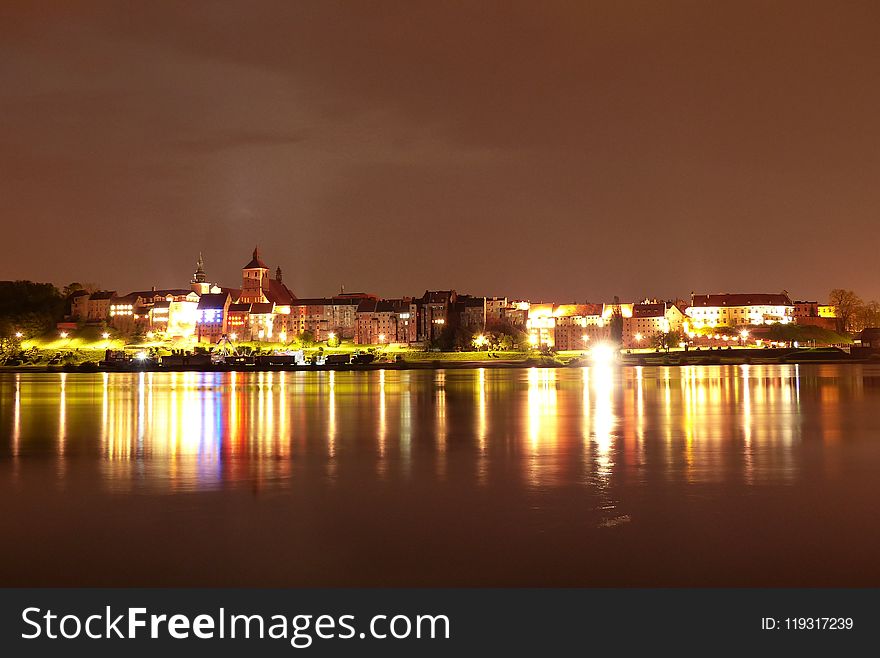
63 334
141 356
150 335
638 338
105 335
18 334
602 354
233 336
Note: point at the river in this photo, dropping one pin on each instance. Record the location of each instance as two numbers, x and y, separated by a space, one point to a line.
600 476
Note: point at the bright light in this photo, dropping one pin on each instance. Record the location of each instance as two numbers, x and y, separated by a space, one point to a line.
331 336
795 343
233 336
682 345
744 334
141 356
381 338
63 334
639 338
585 338
602 354
283 336
480 340
150 335
106 335
18 334
533 339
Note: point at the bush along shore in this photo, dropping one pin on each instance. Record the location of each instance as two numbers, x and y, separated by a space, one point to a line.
456 360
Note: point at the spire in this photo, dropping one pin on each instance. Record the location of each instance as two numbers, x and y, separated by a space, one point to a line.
256 262
200 276
278 274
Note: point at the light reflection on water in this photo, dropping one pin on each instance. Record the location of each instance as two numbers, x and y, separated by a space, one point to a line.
542 427
601 475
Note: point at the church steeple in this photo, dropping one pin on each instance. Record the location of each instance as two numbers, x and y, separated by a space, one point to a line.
199 283
278 274
200 276
256 262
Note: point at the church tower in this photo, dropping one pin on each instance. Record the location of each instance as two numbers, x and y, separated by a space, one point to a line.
254 278
199 282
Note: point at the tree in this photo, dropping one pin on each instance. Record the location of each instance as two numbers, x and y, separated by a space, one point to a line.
868 315
71 288
847 305
32 308
307 338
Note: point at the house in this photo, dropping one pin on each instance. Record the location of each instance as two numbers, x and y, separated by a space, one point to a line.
814 314
385 321
566 326
740 309
97 306
211 317
650 319
238 324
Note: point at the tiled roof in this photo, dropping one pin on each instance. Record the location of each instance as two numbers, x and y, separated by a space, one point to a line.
262 308
209 301
649 310
256 261
742 299
278 293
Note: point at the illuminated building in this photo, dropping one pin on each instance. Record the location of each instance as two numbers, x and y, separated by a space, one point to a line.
566 326
211 317
93 308
182 316
815 315
238 320
386 321
649 320
322 316
733 310
257 287
433 314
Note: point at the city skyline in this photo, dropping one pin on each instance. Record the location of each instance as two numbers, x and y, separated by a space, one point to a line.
481 148
173 281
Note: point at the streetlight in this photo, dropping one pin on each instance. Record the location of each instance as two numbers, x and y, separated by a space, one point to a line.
106 335
381 338
150 335
480 340
63 334
18 334
233 336
638 338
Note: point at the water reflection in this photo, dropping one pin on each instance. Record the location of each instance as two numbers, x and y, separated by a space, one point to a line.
594 427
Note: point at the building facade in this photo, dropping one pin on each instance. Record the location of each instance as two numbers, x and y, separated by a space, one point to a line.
734 310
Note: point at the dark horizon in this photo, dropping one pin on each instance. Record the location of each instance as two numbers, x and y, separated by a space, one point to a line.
557 152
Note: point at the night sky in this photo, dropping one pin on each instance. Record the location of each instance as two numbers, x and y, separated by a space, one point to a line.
553 151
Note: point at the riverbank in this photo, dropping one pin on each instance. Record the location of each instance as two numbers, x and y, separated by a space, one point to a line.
461 360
